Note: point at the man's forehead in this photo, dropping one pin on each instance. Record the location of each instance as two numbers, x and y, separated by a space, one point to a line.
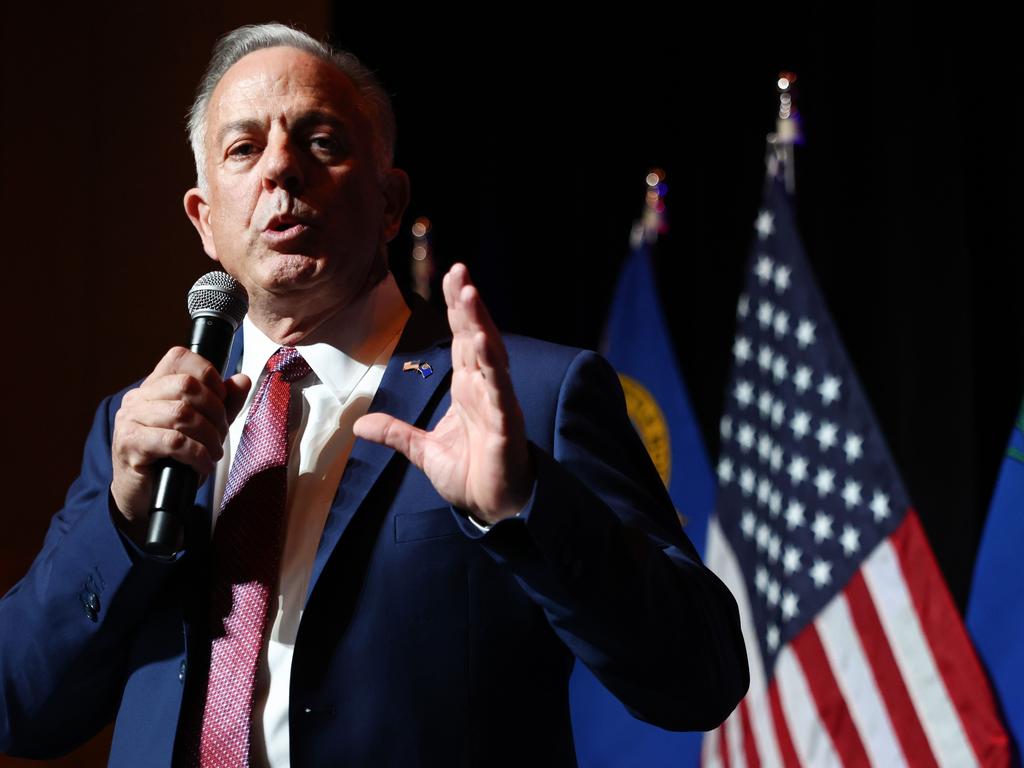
283 72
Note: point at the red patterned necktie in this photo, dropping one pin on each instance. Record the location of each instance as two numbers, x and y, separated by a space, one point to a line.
247 544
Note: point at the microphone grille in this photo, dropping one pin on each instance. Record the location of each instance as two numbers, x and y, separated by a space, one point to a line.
218 294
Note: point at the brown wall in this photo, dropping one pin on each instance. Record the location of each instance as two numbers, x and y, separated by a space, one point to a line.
96 251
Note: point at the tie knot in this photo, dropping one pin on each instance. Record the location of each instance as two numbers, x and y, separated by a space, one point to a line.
289 363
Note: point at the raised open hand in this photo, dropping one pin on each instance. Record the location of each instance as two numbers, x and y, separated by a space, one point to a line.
476 457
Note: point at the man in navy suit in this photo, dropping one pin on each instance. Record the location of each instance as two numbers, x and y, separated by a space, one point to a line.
467 514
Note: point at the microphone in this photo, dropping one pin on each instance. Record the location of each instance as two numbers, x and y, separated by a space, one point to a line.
217 303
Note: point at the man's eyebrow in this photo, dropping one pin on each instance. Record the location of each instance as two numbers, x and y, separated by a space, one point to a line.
316 117
237 126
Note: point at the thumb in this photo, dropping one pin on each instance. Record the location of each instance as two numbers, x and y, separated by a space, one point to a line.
237 388
395 434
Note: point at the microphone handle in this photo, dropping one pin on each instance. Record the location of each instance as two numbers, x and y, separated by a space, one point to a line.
174 492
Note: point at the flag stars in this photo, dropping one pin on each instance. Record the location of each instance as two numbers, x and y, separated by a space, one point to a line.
879 506
829 389
748 523
743 306
761 579
797 469
774 548
765 225
764 358
780 369
853 447
790 605
725 473
775 503
764 268
802 379
764 446
741 350
762 535
826 435
771 638
794 514
782 275
821 527
778 413
764 491
825 481
821 573
851 494
744 393
800 424
781 323
764 403
805 333
773 593
850 540
747 480
745 437
765 313
725 427
791 560
776 458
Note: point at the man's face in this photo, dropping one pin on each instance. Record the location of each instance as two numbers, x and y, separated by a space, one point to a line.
295 208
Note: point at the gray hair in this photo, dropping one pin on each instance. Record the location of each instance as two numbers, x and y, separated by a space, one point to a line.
242 41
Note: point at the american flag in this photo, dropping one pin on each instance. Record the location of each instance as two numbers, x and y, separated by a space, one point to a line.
857 653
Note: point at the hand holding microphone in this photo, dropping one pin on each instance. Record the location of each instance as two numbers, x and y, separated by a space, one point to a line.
170 430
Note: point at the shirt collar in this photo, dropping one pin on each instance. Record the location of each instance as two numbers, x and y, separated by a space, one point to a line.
348 343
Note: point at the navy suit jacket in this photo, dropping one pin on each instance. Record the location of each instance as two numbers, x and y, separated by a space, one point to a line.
424 641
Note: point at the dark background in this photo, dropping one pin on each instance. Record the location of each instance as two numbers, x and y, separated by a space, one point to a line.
527 142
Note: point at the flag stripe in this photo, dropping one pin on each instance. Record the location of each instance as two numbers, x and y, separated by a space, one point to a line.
722 560
884 578
710 754
954 655
854 676
810 738
887 673
734 735
723 745
786 748
828 698
749 747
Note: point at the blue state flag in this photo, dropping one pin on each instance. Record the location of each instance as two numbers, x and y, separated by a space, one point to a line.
995 613
638 345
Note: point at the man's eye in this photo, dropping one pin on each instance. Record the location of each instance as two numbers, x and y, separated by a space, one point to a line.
325 144
242 149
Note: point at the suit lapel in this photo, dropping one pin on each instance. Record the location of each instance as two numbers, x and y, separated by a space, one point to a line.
403 394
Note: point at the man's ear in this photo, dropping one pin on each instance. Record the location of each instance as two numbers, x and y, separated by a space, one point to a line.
395 189
198 212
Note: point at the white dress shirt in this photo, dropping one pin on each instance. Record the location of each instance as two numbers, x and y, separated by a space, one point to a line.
348 358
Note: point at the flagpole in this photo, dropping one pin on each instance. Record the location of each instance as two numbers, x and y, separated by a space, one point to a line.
652 221
787 131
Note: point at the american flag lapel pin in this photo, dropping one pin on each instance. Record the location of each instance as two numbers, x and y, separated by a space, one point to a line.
420 366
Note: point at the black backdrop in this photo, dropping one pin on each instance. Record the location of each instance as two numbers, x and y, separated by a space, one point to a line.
528 143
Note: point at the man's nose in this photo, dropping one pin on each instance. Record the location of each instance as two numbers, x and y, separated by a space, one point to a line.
282 167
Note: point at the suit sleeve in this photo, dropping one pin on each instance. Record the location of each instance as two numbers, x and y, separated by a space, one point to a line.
65 627
600 549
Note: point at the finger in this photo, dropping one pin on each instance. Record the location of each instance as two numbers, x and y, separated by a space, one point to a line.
479 321
179 360
238 387
142 446
179 416
490 353
395 434
456 279
186 388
